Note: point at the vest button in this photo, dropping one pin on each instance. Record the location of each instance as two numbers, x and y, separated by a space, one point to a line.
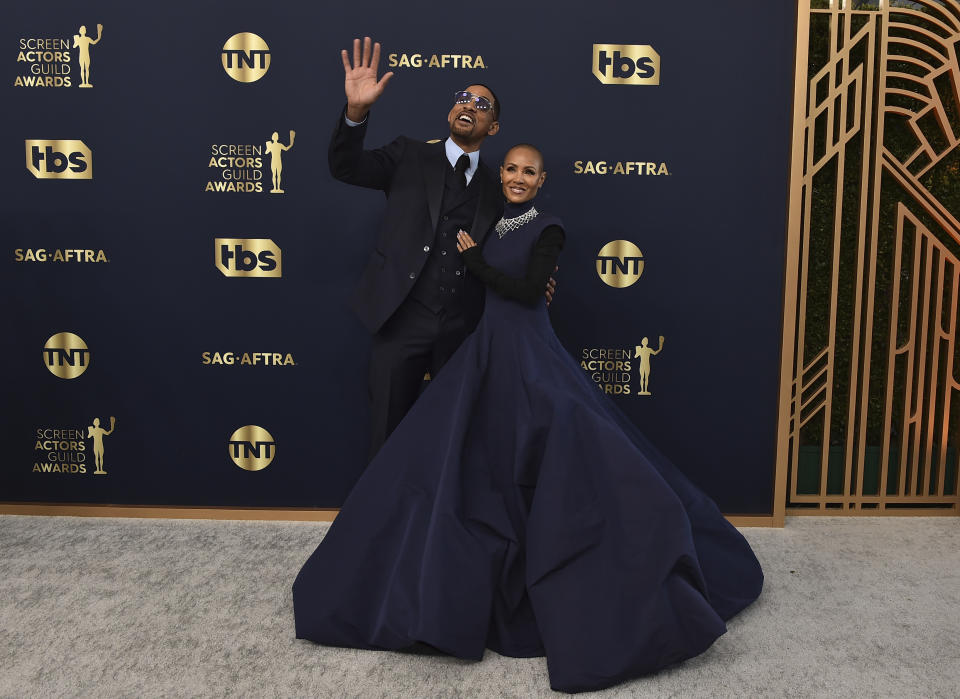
426 248
413 275
446 218
443 252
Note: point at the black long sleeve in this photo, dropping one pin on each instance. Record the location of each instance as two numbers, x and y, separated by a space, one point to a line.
529 289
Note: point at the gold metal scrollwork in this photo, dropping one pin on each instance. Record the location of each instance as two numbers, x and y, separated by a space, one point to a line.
869 417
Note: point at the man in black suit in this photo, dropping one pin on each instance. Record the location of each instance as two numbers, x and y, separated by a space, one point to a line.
415 295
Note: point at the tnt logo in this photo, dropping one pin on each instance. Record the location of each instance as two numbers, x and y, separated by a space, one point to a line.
252 448
619 264
247 257
59 160
626 64
66 355
245 57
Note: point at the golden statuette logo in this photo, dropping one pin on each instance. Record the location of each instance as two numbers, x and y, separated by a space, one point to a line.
276 150
626 64
83 42
47 61
247 257
97 433
239 167
245 57
643 353
59 159
66 355
252 448
619 264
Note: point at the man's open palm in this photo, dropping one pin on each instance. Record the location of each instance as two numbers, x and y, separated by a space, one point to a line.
360 79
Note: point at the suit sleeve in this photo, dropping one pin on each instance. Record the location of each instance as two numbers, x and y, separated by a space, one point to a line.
529 289
350 163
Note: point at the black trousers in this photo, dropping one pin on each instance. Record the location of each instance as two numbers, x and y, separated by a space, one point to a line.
413 342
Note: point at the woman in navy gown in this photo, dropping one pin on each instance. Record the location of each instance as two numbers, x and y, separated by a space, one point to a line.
516 508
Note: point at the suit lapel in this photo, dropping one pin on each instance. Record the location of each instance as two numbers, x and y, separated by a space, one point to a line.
488 208
434 162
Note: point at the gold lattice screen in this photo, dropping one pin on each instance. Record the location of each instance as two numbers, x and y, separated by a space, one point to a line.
870 397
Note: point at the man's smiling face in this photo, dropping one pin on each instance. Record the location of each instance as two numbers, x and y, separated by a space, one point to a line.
469 125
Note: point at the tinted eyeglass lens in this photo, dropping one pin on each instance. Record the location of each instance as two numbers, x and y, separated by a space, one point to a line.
482 103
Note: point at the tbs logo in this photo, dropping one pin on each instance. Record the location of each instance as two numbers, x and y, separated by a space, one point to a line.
247 257
626 64
59 160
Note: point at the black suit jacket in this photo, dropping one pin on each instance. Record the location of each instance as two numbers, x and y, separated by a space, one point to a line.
411 174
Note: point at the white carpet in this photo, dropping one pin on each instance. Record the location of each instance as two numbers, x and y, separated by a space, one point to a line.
147 608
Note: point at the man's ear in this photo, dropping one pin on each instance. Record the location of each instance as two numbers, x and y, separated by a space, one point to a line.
494 127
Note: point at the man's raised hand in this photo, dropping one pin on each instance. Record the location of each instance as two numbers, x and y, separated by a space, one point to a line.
360 79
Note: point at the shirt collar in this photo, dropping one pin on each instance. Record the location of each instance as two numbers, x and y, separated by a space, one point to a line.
454 152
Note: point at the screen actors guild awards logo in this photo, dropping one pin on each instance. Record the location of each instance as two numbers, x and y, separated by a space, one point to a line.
66 355
245 57
65 449
619 264
252 448
626 64
608 367
48 59
239 167
643 352
97 433
59 159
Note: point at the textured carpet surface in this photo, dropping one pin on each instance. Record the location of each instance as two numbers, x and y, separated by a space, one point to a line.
133 607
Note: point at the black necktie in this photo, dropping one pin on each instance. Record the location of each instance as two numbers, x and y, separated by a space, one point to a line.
463 162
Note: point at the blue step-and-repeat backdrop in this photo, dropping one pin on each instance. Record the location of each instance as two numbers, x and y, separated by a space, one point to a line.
178 257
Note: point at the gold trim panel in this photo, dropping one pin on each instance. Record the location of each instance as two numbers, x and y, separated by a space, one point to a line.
869 417
251 513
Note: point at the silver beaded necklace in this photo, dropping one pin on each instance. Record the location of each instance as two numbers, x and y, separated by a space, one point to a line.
505 225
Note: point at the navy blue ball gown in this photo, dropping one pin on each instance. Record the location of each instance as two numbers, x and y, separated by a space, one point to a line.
516 508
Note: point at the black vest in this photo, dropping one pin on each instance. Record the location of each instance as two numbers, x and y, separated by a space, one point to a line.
440 286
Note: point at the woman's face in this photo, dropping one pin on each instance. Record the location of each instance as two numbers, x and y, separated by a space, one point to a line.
522 174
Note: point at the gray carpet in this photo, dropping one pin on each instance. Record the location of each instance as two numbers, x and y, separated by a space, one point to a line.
144 608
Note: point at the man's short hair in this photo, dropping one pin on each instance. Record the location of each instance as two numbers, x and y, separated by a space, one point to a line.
496 100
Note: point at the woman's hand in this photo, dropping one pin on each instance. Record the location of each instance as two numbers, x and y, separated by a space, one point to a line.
464 241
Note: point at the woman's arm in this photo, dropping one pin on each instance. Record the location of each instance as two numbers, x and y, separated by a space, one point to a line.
529 289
